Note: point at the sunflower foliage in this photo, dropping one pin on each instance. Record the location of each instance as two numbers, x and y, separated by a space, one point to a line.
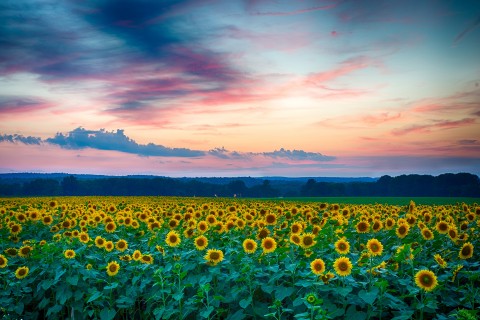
202 258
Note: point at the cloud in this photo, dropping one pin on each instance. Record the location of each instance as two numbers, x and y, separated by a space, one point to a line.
20 138
467 30
443 124
22 104
294 12
81 138
116 140
298 155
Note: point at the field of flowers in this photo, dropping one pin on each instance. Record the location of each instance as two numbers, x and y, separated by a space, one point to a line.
198 258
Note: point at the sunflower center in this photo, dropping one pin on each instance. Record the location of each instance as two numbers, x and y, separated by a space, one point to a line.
343 266
466 251
307 240
268 244
214 256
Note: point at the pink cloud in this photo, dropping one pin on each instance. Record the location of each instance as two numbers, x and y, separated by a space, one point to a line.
11 105
345 68
294 12
438 125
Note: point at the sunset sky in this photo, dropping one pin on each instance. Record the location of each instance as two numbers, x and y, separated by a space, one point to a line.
240 88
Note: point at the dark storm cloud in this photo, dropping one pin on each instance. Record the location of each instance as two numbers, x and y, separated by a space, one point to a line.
107 39
81 138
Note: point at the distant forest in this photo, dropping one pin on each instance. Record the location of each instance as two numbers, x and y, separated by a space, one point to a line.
444 185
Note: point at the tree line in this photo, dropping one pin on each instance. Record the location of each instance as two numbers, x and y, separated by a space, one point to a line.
444 185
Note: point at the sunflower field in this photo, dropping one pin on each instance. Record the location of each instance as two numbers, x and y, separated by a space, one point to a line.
202 258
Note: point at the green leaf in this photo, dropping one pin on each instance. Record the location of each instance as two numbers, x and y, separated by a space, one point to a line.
59 274
239 315
352 313
283 292
107 314
405 315
158 312
73 280
245 302
178 296
125 302
297 302
206 313
46 284
344 291
304 283
94 296
54 310
111 286
19 307
369 296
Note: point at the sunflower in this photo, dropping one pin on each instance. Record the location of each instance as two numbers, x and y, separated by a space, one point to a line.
121 245
21 272
47 220
363 227
89 266
307 240
108 246
137 255
202 226
99 242
342 246
441 262
311 298
12 252
172 239
214 256
25 251
3 261
269 245
160 249
125 258
442 227
263 233
343 266
426 280
271 219
453 233
172 224
110 227
402 230
295 238
466 252
83 237
240 224
15 229
112 268
427 234
317 266
249 246
69 254
146 258
326 277
377 225
375 247
201 242
211 219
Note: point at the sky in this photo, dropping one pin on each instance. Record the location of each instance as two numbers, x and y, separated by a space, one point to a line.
240 88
